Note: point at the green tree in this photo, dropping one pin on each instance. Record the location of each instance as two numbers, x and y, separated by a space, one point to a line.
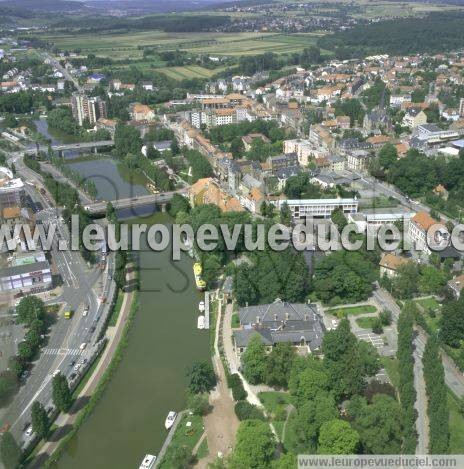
8 385
211 269
338 219
61 394
337 437
379 424
254 447
285 214
279 364
201 377
254 360
388 155
178 204
30 308
10 451
40 420
286 461
198 403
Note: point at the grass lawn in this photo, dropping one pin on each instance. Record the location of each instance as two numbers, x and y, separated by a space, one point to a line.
274 400
391 366
428 303
188 71
116 309
184 436
351 310
431 312
203 450
456 426
366 323
235 320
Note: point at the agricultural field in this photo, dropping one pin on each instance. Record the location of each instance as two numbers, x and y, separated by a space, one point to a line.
129 45
188 72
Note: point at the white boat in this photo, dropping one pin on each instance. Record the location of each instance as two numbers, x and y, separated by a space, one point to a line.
201 322
170 419
201 306
148 461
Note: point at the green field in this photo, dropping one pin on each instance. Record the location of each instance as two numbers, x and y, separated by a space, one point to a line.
366 323
456 426
188 71
128 45
351 310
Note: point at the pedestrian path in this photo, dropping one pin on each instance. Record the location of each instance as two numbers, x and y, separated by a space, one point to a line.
61 351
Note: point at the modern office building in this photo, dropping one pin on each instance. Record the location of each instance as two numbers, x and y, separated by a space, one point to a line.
317 208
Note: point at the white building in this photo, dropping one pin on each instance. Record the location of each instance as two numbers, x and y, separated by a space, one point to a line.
317 208
11 188
427 234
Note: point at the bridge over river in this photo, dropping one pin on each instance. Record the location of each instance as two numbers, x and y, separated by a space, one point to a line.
60 148
160 199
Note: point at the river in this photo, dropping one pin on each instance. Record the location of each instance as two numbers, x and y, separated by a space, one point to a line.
150 380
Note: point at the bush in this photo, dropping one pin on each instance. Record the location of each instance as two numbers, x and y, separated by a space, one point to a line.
198 403
239 393
377 327
246 411
234 380
385 317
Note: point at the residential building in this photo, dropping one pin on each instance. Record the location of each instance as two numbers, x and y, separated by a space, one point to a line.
390 263
141 112
413 117
358 160
87 109
208 191
280 322
456 284
427 234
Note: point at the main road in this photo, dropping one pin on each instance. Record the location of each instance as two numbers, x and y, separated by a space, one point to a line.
82 285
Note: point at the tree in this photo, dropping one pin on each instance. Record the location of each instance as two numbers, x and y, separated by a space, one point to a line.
337 437
236 147
279 364
198 403
437 394
255 446
211 269
61 394
254 360
10 451
342 361
178 203
388 155
285 214
452 323
30 308
312 414
201 377
378 424
40 420
338 219
286 461
8 385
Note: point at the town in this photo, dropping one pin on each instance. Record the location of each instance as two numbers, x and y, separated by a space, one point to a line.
288 352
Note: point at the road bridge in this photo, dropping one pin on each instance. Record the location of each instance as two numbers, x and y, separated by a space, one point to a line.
92 146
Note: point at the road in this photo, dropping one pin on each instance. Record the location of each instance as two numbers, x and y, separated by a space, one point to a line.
55 63
81 286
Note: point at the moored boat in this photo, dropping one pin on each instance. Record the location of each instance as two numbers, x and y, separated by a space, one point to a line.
170 419
148 461
201 322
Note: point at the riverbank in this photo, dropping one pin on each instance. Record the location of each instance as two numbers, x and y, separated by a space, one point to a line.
93 389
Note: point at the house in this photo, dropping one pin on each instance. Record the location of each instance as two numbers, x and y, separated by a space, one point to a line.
106 124
161 146
456 284
441 192
377 119
248 140
140 112
358 160
208 191
279 162
280 322
427 234
413 117
390 263
11 216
